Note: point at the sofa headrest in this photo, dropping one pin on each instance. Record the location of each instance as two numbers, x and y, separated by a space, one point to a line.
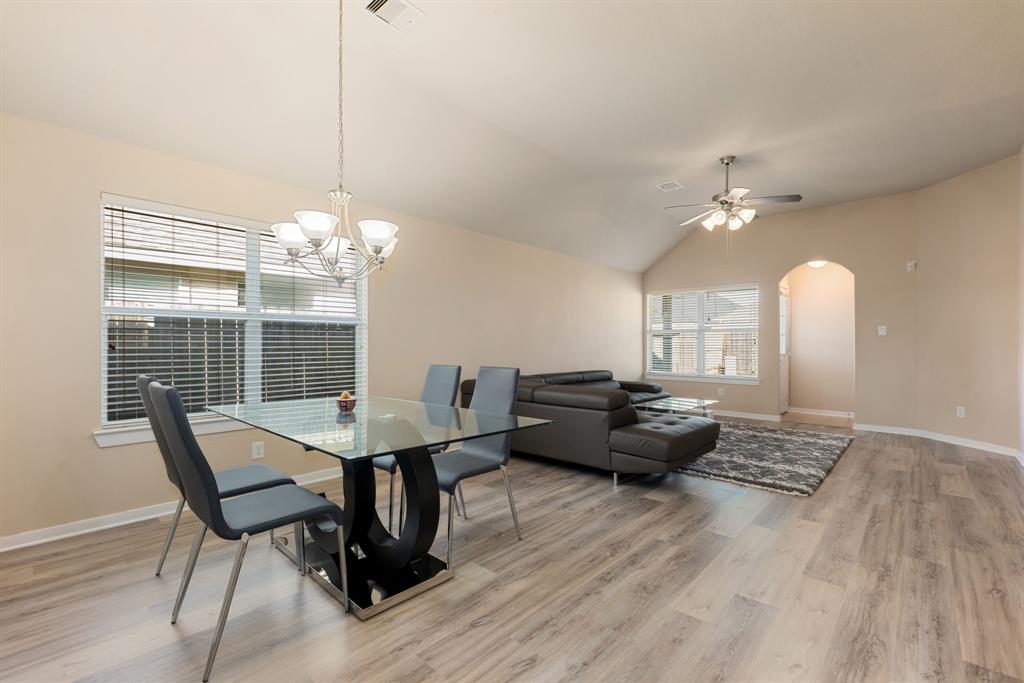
581 397
523 393
561 377
596 375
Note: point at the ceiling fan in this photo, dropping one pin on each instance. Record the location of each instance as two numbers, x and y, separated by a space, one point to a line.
732 206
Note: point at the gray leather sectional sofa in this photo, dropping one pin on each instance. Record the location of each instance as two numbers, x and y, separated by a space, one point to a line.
596 423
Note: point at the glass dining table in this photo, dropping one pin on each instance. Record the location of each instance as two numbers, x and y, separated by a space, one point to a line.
382 570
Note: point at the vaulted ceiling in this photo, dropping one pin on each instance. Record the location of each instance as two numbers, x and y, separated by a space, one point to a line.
548 123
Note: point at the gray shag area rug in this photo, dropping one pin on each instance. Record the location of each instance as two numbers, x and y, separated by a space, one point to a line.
788 461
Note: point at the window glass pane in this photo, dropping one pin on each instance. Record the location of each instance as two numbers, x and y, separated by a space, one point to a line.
156 260
304 360
673 353
730 309
202 357
732 354
673 311
287 287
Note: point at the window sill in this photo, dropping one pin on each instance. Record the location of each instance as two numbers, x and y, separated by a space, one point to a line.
139 431
710 379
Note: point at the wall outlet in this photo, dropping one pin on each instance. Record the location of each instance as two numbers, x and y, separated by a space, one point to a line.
721 391
883 330
257 450
961 411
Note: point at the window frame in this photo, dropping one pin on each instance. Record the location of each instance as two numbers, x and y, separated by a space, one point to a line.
749 380
137 430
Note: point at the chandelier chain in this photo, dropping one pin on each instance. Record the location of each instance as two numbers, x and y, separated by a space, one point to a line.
341 96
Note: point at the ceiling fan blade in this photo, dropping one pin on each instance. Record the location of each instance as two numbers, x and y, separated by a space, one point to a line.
777 199
688 206
737 193
697 217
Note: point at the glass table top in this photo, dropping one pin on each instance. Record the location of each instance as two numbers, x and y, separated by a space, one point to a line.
378 425
677 404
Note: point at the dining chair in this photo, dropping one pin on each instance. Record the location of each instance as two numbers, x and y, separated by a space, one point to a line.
495 395
232 482
233 519
441 387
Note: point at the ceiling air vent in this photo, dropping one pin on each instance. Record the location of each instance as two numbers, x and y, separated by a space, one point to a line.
398 14
669 186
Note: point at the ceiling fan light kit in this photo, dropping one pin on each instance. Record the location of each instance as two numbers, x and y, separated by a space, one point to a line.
731 206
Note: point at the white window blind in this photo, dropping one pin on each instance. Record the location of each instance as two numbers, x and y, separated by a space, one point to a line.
208 305
703 333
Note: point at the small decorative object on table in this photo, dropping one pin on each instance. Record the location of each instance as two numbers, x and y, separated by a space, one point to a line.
346 402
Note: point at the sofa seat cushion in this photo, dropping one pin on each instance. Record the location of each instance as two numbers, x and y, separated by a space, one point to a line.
646 396
666 438
575 396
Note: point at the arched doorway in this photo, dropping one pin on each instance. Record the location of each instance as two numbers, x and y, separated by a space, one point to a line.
817 347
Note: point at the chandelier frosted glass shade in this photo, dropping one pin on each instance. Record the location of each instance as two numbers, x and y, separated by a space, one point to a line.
708 223
316 225
747 215
289 235
378 234
735 222
719 217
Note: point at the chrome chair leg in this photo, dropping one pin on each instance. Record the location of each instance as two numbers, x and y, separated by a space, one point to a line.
462 501
197 543
300 547
615 479
170 535
226 606
391 502
451 529
343 563
511 501
271 537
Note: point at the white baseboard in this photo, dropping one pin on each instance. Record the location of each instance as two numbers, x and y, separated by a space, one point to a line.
823 413
945 438
85 526
747 416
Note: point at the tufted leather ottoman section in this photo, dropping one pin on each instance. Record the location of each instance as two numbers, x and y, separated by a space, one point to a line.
666 438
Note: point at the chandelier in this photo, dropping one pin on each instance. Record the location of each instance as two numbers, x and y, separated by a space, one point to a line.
320 241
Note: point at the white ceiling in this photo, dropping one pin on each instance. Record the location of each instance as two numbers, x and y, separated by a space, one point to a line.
547 123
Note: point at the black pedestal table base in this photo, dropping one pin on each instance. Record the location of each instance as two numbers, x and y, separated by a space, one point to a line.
386 570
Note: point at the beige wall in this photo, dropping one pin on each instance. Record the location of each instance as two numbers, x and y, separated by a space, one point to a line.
952 324
822 372
449 296
967 305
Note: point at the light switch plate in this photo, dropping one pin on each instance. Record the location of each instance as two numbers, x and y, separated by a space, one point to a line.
883 330
257 450
961 411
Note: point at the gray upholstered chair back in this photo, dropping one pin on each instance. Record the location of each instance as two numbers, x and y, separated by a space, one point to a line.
143 382
441 385
495 394
198 479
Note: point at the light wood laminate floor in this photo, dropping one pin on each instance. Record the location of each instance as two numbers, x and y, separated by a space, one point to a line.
906 565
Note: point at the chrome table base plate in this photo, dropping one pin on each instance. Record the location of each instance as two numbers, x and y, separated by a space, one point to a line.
372 600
